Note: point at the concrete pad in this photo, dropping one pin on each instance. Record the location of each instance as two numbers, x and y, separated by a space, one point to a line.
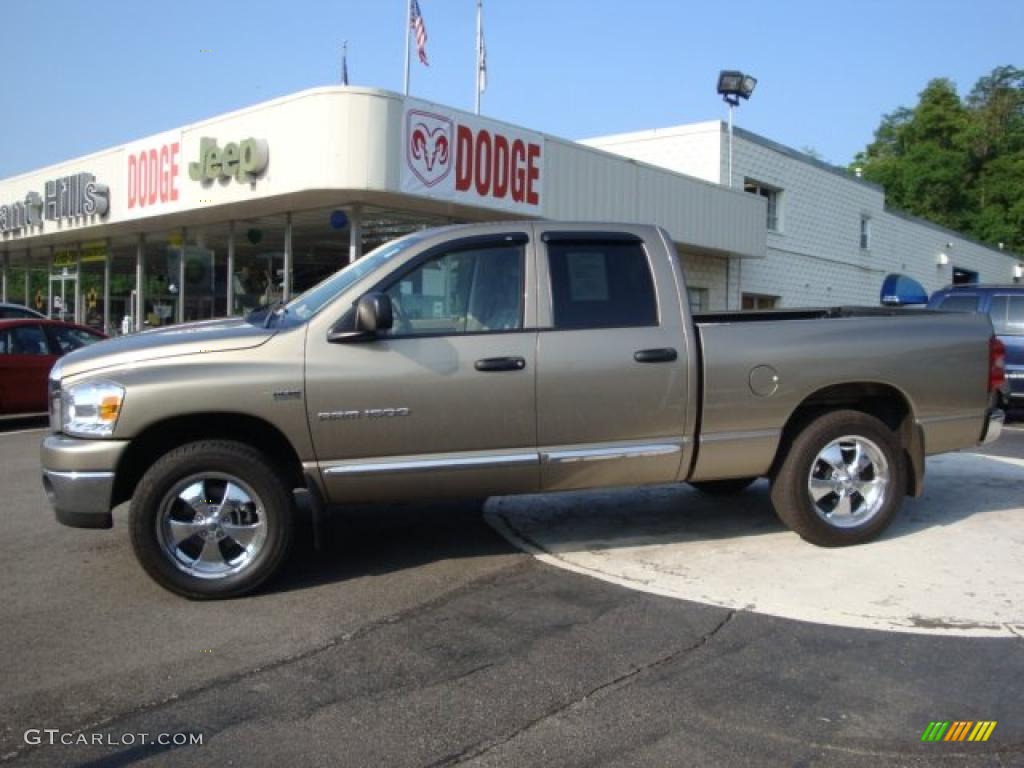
951 564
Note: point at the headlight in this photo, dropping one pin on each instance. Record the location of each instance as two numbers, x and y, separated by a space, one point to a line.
91 409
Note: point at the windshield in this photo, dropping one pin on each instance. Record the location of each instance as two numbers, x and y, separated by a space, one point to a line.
307 304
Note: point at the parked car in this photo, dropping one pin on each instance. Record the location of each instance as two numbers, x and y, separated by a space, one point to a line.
13 311
28 349
495 359
1004 304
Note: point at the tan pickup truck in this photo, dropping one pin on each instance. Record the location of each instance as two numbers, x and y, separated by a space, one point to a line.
498 359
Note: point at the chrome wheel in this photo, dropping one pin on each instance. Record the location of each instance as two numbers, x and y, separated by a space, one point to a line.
848 481
211 526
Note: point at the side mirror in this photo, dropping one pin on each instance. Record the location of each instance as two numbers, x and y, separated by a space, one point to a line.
373 315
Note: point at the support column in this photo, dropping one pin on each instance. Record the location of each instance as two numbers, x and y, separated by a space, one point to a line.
106 286
79 314
3 279
180 314
230 309
286 288
355 233
49 284
140 274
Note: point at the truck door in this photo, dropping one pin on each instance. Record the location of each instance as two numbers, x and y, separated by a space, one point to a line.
611 362
445 402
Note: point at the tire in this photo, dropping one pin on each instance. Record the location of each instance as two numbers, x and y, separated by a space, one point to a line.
846 506
728 487
212 519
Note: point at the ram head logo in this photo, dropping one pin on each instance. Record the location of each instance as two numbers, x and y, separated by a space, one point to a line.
429 146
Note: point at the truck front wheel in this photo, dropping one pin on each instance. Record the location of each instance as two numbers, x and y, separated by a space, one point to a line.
211 519
842 481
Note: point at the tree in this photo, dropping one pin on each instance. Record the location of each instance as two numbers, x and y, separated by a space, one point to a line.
959 163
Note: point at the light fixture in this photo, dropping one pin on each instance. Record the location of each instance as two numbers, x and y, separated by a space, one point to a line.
943 259
734 85
1018 271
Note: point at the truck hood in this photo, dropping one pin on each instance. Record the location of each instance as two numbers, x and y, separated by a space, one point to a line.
223 335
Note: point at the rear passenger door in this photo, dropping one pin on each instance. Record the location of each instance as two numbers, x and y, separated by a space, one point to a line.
611 362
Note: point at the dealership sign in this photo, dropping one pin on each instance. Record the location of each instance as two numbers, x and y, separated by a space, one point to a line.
467 160
65 198
152 175
242 162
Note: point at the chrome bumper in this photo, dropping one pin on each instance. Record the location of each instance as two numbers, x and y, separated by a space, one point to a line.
993 426
80 499
78 477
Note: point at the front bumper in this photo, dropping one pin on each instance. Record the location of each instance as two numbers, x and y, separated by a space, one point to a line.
78 477
993 426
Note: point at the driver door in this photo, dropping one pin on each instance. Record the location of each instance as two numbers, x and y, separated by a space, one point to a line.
445 400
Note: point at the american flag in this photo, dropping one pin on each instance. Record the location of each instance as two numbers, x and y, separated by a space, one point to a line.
416 22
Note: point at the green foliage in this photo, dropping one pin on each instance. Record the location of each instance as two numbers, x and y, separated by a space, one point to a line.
957 162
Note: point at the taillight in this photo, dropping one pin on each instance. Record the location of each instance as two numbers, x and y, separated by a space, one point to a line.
996 364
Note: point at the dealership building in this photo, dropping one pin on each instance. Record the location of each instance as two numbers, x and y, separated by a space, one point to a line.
243 209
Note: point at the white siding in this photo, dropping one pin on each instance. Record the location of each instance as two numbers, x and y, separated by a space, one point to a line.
815 258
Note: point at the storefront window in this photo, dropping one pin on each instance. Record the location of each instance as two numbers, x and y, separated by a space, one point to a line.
162 292
259 263
320 245
122 284
205 253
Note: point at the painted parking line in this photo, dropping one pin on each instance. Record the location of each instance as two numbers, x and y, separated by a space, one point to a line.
949 564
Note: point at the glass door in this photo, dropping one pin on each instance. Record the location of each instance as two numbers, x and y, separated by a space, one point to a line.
62 292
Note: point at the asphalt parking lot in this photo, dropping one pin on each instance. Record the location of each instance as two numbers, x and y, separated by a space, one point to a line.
420 636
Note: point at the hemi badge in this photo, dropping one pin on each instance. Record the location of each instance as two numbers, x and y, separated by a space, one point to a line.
288 394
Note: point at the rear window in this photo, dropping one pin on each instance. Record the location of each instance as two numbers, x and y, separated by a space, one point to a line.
959 303
1007 313
599 284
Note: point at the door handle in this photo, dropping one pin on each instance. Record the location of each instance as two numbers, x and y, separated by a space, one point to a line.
489 364
662 355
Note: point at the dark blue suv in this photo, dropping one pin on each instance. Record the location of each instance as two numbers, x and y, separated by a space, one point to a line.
1005 305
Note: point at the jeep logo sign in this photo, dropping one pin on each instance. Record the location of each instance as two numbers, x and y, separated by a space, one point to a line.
472 161
242 162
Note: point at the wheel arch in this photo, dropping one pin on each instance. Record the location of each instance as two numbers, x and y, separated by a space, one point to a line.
165 435
887 403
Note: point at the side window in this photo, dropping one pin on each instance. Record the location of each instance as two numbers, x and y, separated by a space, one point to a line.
27 340
997 312
68 339
464 291
1013 321
959 303
600 284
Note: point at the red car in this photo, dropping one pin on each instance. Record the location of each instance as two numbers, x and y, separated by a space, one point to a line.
28 349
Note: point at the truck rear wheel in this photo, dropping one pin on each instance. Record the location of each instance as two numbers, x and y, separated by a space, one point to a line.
211 519
843 480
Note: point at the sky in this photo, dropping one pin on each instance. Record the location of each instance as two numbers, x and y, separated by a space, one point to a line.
84 75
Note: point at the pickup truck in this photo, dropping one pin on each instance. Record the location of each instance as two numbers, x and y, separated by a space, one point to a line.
495 359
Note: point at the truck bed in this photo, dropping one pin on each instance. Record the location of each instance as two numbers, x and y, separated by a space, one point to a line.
810 313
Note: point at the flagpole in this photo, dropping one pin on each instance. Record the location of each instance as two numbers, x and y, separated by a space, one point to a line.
479 33
408 25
